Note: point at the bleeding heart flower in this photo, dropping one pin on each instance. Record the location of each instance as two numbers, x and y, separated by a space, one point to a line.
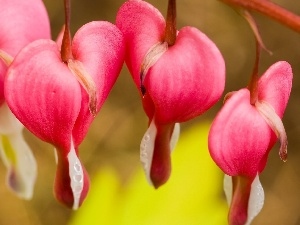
242 135
57 101
180 74
21 22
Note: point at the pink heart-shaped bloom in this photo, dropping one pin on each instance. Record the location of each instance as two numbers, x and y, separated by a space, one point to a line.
21 22
177 82
242 134
50 97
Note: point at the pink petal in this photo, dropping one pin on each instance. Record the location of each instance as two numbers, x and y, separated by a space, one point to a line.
275 86
100 48
22 22
143 27
43 93
240 138
188 79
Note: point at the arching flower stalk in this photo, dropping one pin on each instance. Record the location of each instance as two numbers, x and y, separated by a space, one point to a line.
243 133
56 94
180 74
19 21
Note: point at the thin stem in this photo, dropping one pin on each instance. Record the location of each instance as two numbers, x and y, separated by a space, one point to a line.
171 31
271 10
66 49
253 84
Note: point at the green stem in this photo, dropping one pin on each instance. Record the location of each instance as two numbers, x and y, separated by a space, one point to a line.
171 31
271 10
66 46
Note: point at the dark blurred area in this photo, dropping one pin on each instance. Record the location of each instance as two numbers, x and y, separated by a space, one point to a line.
115 135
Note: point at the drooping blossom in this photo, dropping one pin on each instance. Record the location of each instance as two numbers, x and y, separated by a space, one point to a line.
242 135
180 75
56 95
21 22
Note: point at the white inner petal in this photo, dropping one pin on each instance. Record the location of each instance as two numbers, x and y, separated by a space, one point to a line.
20 163
175 136
147 146
275 123
151 57
227 185
256 200
147 149
55 156
76 176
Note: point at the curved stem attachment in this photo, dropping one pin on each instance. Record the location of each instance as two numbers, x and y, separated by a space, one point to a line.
66 47
171 31
271 10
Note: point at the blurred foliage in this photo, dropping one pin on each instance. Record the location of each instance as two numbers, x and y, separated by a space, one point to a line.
192 195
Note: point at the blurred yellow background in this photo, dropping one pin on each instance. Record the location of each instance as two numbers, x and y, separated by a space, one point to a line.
111 150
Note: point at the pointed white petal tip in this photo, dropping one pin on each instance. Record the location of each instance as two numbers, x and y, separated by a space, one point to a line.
147 146
256 199
86 81
275 123
151 57
76 176
147 149
175 136
21 165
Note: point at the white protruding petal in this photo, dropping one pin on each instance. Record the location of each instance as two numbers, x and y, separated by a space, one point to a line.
275 123
256 200
86 81
55 156
5 57
175 136
151 57
147 146
227 185
147 149
20 163
9 124
76 176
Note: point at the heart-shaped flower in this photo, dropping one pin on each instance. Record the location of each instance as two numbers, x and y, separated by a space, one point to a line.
57 100
180 74
243 133
21 22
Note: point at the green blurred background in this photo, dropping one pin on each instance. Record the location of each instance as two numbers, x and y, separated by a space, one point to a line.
194 196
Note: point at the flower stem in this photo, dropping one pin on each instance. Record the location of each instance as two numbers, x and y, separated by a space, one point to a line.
66 49
271 10
253 84
171 31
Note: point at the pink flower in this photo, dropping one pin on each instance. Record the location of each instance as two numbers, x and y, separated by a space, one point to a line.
58 101
21 22
242 135
180 74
